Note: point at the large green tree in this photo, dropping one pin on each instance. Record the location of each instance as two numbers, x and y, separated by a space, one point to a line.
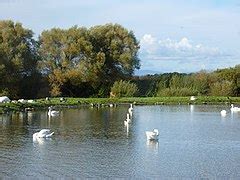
61 51
82 62
18 60
119 47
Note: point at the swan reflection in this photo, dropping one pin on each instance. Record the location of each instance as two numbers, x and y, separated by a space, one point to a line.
192 108
152 145
127 129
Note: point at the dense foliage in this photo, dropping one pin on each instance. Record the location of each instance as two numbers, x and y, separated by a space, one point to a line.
18 60
93 62
82 62
124 89
224 82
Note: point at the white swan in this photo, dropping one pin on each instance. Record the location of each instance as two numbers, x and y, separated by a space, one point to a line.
127 121
152 135
52 112
130 110
223 112
234 109
193 98
131 106
44 133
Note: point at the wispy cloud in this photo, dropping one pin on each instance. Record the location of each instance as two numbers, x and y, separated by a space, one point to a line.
151 47
183 55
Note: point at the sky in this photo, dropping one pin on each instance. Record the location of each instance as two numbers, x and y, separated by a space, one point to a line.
175 35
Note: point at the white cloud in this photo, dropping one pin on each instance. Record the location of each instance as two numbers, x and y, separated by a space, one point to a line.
182 45
149 43
151 47
147 39
183 55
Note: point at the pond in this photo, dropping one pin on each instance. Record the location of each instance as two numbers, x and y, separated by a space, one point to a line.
195 142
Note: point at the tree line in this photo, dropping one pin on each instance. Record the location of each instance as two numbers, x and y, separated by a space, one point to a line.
65 62
222 82
93 62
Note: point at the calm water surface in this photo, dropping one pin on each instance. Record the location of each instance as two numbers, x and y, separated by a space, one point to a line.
195 142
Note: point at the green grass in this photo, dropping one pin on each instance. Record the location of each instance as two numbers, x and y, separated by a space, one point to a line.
42 103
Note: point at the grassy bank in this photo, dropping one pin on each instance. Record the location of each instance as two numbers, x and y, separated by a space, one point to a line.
43 103
143 100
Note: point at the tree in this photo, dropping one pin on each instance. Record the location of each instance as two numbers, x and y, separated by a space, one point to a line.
78 58
63 55
119 47
18 60
201 82
232 75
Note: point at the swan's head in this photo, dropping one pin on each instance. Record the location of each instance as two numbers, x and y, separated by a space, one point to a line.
156 131
232 105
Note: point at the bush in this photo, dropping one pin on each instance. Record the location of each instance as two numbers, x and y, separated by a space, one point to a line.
176 92
224 88
124 89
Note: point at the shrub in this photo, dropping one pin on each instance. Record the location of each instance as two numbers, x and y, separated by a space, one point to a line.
176 92
124 89
224 88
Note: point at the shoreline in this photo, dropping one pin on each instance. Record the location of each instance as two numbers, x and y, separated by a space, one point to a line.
69 102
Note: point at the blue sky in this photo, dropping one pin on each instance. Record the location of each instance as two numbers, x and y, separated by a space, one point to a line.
175 35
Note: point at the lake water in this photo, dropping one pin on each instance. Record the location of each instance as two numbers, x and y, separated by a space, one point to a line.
195 142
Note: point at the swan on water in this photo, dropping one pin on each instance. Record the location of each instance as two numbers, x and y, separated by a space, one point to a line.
44 133
130 110
131 107
152 135
52 112
127 121
193 98
234 109
223 112
4 99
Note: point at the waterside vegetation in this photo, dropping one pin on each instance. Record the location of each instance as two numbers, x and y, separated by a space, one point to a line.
113 102
95 66
93 62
